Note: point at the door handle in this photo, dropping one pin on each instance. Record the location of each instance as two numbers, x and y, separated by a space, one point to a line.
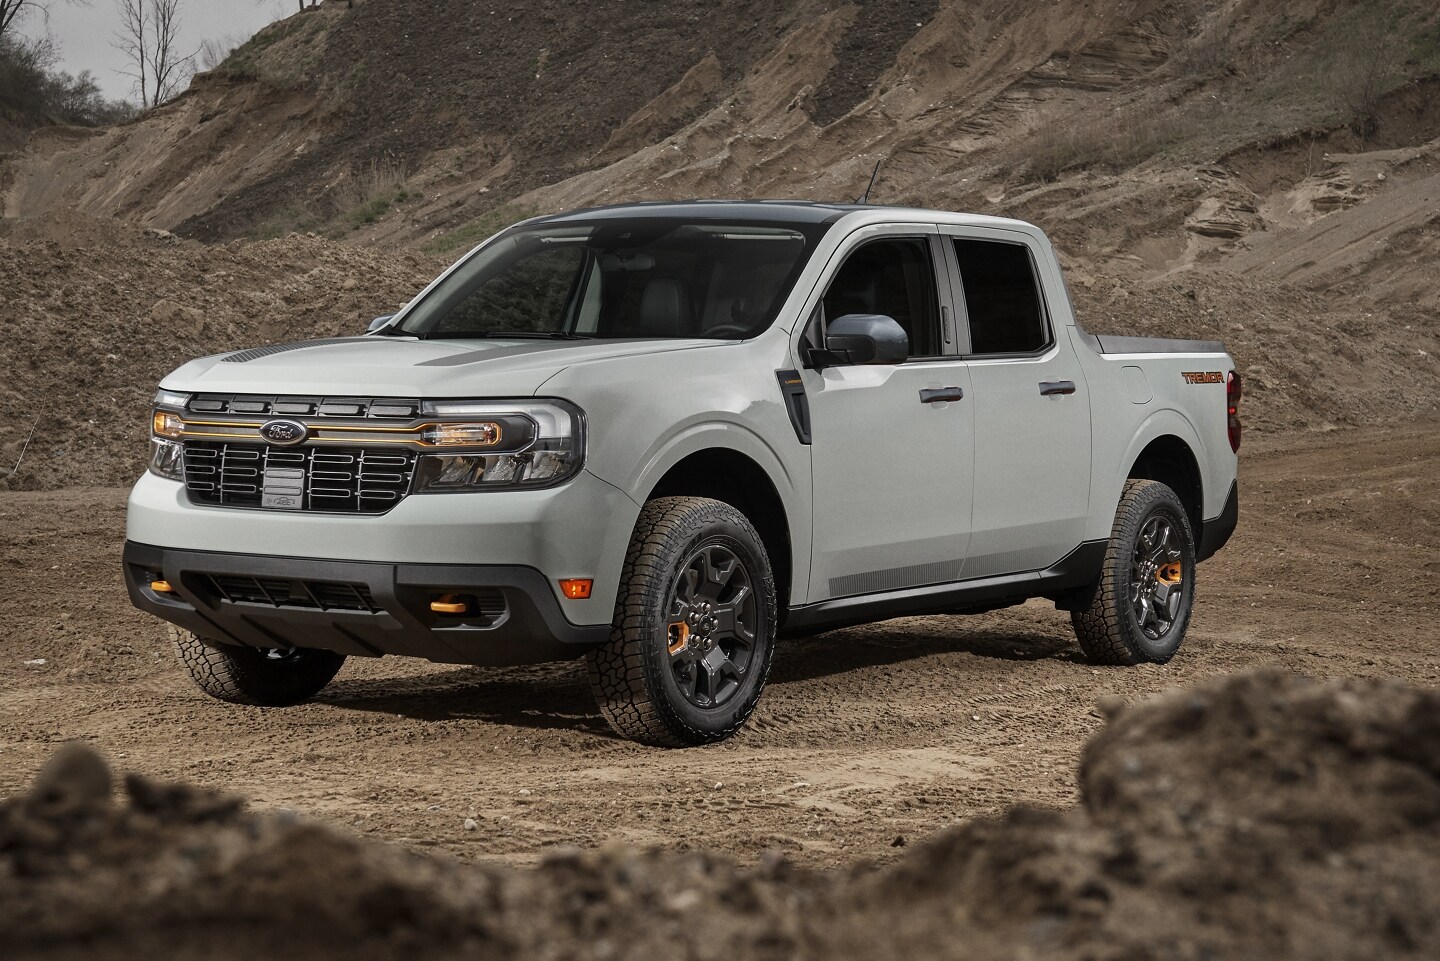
941 394
1052 387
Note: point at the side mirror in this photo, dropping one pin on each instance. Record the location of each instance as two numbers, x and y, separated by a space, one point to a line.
379 324
863 339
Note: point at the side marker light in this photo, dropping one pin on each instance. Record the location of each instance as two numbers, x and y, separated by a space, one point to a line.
577 588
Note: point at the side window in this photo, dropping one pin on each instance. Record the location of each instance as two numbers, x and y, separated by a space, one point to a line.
894 277
533 295
1001 297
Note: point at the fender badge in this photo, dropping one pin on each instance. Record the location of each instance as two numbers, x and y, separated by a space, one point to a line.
284 433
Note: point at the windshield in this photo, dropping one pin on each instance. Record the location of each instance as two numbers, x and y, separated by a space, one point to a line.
641 277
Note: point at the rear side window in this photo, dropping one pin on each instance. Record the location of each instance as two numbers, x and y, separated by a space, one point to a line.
1002 299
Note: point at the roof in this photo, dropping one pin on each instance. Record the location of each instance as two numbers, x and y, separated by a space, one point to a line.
779 211
772 211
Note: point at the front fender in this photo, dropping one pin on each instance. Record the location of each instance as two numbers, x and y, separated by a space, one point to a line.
790 481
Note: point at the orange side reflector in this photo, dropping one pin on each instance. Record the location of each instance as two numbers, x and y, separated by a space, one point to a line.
161 587
577 588
447 604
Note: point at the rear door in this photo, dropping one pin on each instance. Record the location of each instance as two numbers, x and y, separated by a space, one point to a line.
891 444
1031 409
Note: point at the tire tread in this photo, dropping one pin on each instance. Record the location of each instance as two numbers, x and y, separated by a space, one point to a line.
623 679
237 676
1103 628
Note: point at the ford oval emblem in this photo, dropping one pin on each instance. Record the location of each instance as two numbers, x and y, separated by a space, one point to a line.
284 433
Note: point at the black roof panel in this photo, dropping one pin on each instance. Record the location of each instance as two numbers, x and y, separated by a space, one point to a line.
778 211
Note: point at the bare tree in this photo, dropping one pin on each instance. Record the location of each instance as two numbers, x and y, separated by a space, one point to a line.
149 30
1369 63
13 11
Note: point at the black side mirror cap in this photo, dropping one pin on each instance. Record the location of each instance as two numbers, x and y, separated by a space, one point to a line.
862 339
379 324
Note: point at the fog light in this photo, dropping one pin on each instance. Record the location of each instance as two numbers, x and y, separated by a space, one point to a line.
577 588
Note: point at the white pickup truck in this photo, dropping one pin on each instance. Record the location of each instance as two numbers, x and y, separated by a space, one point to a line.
661 436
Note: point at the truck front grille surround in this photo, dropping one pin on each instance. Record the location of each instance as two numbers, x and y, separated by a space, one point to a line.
345 480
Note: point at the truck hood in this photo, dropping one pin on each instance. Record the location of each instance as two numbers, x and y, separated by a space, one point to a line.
405 367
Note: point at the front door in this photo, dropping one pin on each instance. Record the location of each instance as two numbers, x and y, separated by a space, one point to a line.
1031 409
891 444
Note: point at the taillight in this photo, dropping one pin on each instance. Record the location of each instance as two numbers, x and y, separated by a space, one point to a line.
1233 393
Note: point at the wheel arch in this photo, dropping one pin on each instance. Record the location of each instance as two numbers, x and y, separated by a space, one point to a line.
1171 461
728 475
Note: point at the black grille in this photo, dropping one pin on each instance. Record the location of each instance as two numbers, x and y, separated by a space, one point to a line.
354 480
364 408
281 592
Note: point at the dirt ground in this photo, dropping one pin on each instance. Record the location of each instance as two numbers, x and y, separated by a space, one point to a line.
867 739
1262 815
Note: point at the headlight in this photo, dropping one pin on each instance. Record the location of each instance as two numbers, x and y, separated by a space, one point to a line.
166 455
167 459
541 443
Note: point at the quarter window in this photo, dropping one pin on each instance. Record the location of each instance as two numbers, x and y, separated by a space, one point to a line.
1002 299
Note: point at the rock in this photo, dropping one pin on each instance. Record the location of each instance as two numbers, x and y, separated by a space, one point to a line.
471 824
76 778
1110 706
177 318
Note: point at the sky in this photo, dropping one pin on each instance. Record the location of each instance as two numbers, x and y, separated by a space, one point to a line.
85 35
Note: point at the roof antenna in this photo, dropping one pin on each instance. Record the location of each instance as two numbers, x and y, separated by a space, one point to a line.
865 197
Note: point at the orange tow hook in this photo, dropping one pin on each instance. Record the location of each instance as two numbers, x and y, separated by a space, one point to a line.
448 604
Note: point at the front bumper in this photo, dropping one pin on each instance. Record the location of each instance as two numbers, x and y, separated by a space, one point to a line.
578 529
357 607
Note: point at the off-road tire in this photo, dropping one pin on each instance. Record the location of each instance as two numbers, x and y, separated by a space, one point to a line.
247 675
1109 628
632 675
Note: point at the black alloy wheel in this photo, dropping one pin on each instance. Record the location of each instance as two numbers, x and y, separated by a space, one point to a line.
1157 575
713 619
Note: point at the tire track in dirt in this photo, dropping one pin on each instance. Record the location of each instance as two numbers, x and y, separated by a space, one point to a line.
866 735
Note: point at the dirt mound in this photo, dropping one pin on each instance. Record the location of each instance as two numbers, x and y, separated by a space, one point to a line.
97 311
1260 816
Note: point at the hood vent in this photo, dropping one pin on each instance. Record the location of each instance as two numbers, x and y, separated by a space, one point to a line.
254 353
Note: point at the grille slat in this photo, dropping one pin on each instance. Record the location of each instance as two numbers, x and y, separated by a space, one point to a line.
281 592
378 408
333 480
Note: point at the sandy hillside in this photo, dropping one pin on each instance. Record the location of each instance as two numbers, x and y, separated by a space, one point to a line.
925 787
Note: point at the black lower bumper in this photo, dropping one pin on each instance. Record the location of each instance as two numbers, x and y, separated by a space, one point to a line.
1216 532
360 608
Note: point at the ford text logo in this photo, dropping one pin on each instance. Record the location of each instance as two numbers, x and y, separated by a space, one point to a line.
284 433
